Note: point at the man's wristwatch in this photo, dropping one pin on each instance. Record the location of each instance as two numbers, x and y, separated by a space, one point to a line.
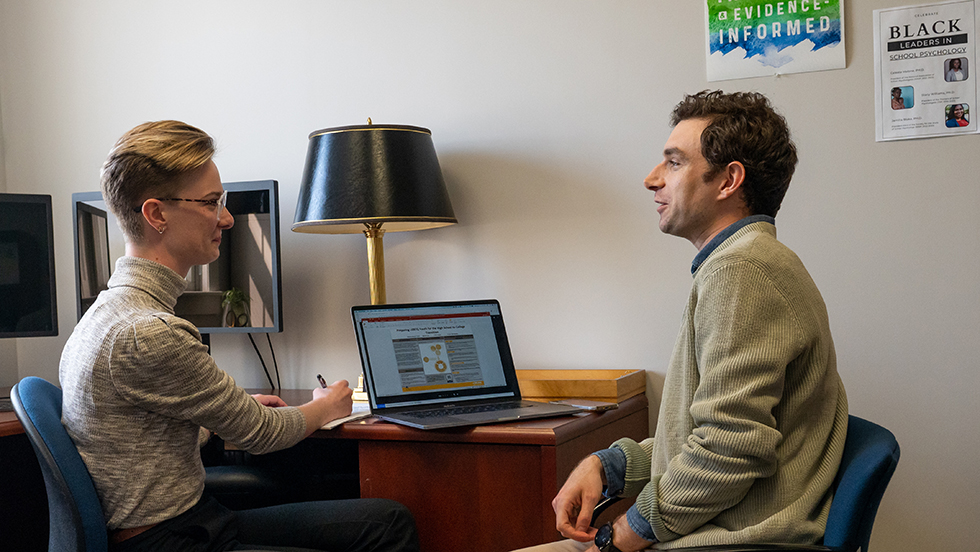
604 539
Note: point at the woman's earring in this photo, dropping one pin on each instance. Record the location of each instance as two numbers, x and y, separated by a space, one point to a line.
161 229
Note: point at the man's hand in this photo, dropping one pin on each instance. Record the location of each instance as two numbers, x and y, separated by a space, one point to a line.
577 498
269 400
625 539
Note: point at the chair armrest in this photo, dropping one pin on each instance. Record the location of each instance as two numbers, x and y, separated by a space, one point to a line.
757 548
245 487
239 479
602 506
609 501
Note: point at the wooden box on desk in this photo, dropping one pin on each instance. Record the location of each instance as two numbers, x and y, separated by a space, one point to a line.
601 385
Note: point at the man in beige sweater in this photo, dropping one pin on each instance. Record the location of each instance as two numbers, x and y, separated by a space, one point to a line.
753 416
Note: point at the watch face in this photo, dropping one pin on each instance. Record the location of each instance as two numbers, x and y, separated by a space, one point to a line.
603 538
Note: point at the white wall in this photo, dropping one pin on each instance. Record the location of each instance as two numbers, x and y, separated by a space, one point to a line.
546 115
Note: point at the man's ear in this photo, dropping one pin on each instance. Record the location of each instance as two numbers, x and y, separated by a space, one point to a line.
734 174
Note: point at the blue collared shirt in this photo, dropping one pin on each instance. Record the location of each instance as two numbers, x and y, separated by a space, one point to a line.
614 459
724 235
614 464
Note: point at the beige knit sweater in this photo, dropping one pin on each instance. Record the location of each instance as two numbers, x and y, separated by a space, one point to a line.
754 414
138 387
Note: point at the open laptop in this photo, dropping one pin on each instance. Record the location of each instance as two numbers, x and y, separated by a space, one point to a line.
448 364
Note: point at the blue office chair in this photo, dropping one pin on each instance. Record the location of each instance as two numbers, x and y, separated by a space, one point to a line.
76 522
75 514
870 456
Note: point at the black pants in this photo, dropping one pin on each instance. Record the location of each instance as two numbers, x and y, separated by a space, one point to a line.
359 525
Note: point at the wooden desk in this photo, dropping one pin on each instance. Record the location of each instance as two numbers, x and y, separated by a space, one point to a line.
23 503
486 488
9 425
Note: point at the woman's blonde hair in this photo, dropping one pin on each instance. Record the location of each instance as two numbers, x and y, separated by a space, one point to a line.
148 162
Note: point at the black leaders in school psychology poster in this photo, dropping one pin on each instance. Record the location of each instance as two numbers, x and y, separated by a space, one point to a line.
924 60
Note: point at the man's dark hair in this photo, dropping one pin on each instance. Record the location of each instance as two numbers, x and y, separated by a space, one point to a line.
744 127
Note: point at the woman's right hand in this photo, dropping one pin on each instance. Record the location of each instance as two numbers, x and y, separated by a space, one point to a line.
329 403
339 396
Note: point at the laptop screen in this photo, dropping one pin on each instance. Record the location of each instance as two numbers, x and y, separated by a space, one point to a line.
430 353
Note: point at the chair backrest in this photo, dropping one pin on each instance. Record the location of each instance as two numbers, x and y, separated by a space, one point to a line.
870 456
76 519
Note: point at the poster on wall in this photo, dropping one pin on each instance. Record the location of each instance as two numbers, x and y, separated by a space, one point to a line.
925 81
758 38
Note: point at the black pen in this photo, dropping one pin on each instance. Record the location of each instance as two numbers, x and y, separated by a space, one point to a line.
323 382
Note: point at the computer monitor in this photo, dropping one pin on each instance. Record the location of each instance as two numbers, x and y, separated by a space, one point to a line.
248 263
28 297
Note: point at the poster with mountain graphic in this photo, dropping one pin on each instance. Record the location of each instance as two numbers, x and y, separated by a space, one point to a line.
757 38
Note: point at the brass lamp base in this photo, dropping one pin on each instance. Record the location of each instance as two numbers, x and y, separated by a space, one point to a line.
376 262
376 272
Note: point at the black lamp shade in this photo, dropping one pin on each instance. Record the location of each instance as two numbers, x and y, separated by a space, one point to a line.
372 174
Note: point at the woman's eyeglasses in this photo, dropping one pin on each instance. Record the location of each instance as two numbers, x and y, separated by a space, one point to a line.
217 204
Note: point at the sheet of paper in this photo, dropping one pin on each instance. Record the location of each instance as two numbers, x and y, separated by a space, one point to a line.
360 410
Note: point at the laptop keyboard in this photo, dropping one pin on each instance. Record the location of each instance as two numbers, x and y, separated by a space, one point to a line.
458 410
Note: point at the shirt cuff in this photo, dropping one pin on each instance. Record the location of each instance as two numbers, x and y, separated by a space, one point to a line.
614 465
639 524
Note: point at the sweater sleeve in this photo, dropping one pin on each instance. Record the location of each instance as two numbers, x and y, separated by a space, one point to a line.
163 367
745 334
637 473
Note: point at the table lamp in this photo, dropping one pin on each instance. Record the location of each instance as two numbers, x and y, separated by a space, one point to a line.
372 179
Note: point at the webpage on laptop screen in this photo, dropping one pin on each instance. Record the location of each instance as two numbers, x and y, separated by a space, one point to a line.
425 353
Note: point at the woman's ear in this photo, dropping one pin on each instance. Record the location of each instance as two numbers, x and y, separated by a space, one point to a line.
153 215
